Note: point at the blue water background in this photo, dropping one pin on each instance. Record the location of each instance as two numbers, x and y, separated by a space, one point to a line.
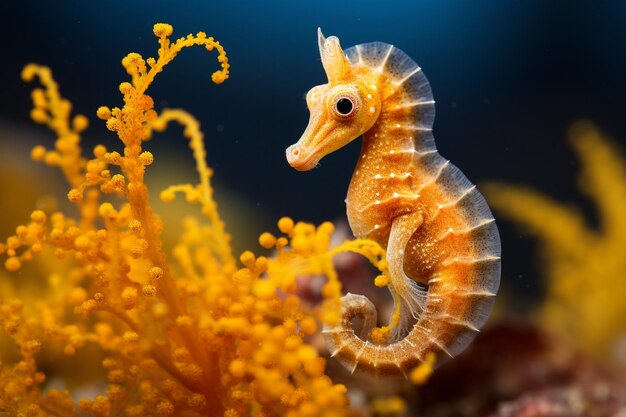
508 77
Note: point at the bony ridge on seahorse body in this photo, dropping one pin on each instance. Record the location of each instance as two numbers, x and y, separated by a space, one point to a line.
442 244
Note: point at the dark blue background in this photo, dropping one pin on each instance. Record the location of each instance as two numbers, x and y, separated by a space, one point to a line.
509 77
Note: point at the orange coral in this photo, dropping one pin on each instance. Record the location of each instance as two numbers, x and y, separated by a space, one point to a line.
191 336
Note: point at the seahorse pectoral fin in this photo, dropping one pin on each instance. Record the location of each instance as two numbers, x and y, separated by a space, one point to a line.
403 288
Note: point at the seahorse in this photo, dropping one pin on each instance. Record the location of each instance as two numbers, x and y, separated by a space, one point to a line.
442 243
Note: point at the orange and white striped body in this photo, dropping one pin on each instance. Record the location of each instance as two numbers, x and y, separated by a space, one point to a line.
443 247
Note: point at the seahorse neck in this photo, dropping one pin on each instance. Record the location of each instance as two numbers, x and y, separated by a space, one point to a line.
390 134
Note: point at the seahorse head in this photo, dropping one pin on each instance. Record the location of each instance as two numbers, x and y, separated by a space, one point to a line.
340 110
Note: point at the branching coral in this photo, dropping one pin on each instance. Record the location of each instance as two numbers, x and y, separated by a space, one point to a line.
584 265
198 336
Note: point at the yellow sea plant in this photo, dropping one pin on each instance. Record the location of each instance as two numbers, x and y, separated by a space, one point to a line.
191 334
584 265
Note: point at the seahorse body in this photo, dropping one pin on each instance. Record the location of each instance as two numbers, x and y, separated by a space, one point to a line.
443 247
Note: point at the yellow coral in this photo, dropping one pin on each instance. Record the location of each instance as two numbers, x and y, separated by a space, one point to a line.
421 373
191 336
584 265
388 407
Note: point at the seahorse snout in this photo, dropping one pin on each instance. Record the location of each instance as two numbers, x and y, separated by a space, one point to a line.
298 159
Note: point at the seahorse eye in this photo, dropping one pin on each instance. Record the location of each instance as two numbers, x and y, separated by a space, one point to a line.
345 105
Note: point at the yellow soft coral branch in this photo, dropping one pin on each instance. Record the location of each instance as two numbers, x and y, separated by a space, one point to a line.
54 111
306 251
130 121
168 51
201 338
365 247
584 266
559 226
132 124
602 167
388 407
421 373
204 192
196 143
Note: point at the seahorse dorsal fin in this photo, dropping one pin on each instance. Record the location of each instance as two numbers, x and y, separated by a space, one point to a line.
334 60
